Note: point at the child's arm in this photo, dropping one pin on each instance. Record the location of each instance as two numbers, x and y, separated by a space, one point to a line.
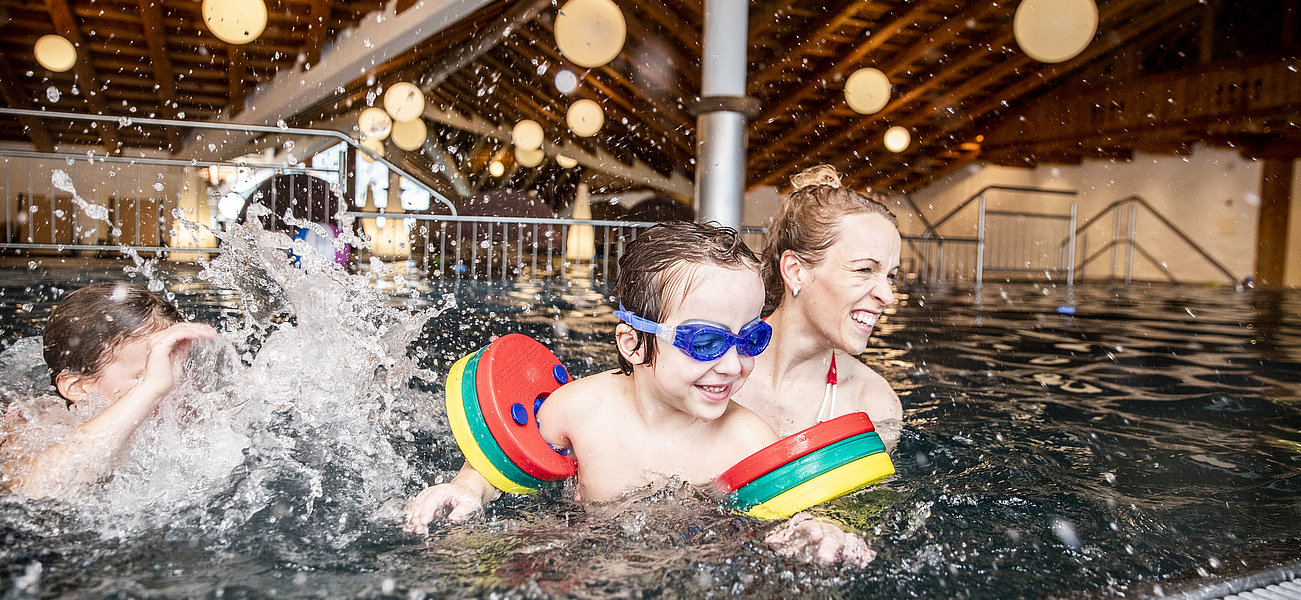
814 540
91 451
455 500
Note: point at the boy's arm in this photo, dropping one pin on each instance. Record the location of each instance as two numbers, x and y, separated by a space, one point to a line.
93 448
455 500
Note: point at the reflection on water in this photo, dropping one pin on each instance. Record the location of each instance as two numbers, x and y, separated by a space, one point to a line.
1147 438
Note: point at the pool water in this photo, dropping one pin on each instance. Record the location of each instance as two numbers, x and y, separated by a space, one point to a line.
1100 442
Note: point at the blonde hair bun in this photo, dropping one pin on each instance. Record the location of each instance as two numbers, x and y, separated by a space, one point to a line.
819 175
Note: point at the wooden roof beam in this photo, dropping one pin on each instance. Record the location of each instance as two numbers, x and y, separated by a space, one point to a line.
939 136
235 80
318 25
375 40
1009 68
947 32
151 19
836 17
92 90
790 101
13 96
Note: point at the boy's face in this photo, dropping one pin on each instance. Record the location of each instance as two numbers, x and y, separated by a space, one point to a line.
729 297
123 371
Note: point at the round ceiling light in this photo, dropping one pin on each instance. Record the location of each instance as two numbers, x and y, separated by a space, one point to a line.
495 168
897 139
867 91
409 135
566 161
55 53
404 101
235 21
529 158
375 145
527 135
585 117
590 32
1053 31
566 81
374 123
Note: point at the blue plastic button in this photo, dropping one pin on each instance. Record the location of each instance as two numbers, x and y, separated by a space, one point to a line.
560 373
537 403
519 414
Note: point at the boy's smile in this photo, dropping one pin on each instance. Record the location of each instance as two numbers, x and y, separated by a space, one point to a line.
732 298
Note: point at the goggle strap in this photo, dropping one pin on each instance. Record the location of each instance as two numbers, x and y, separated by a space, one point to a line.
636 322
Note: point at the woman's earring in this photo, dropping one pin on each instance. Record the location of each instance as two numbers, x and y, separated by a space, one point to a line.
795 291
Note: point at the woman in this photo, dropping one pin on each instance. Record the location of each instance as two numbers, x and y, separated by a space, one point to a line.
830 261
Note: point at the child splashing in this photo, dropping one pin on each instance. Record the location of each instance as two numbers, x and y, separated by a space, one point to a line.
112 342
294 414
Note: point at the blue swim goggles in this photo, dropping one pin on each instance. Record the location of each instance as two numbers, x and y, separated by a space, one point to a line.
704 340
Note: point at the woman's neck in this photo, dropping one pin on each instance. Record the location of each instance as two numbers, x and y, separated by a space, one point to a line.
794 347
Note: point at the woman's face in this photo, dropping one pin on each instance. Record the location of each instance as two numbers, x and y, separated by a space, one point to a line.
854 283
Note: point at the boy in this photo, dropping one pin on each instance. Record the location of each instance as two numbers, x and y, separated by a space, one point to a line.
667 413
112 342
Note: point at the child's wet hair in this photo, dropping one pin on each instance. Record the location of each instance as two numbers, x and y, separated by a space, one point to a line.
655 266
88 326
808 222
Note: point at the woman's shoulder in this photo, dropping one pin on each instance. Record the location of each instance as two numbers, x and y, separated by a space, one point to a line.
869 391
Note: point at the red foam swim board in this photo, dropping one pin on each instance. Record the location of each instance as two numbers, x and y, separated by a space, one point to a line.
790 448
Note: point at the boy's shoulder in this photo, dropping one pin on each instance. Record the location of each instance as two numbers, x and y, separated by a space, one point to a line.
742 422
591 388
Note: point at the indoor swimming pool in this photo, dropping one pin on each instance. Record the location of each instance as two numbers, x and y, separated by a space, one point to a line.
1108 441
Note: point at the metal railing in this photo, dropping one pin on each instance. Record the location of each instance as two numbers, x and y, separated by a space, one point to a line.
1126 210
1017 243
505 248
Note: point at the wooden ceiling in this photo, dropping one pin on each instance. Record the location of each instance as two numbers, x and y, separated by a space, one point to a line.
1160 76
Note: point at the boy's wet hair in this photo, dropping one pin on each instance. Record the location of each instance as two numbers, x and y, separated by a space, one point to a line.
655 266
89 325
808 222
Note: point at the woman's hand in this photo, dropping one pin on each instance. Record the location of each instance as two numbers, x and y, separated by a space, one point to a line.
814 540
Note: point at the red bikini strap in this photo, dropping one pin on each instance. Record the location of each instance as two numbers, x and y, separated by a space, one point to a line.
831 373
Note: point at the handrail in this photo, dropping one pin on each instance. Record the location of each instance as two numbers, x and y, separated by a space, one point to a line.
1003 188
128 121
1135 199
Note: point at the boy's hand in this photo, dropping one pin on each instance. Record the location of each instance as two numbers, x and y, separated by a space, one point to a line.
445 500
811 540
167 351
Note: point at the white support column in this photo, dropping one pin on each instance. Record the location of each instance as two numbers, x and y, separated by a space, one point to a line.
722 113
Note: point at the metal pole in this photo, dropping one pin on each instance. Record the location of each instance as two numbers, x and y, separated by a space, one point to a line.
721 114
1129 246
1070 273
980 244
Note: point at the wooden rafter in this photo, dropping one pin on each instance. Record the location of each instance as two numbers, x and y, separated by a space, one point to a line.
91 89
36 131
798 139
939 138
318 24
235 80
155 32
